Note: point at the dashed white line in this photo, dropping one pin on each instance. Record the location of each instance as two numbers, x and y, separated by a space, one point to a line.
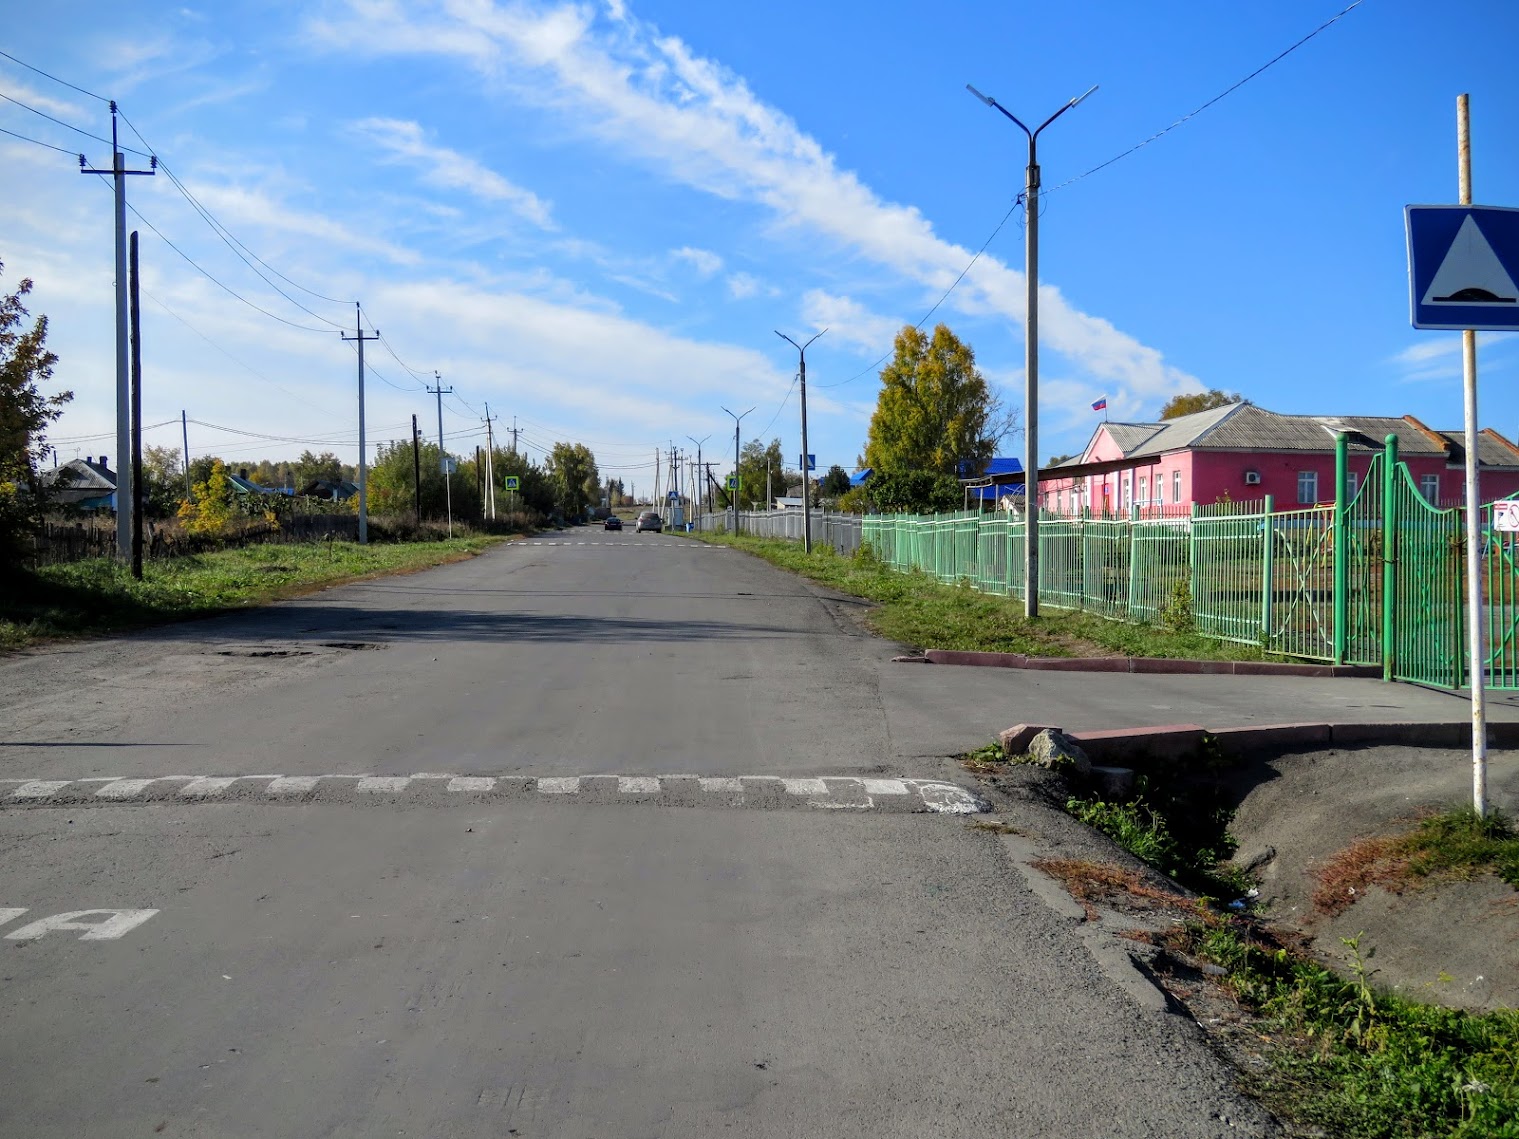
123 789
569 786
292 784
378 783
727 786
471 783
885 786
207 786
805 786
638 784
39 788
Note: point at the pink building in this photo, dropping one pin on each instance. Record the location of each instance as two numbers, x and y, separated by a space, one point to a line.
1243 453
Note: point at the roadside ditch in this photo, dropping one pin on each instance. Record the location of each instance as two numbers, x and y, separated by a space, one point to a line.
1345 935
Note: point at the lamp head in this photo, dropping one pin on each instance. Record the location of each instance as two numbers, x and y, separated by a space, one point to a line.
987 99
1083 95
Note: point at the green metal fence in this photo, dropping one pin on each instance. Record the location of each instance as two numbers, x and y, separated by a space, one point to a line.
1376 578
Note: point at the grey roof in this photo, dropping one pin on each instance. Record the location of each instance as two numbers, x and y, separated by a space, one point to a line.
82 474
1246 427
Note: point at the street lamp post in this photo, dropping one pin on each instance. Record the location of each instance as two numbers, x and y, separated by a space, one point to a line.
733 490
801 350
1031 334
696 490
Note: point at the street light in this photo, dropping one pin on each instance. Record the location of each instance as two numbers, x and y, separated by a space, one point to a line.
733 490
699 472
1031 371
801 350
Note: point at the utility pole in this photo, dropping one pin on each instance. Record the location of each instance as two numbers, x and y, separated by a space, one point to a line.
358 335
1031 351
1476 627
416 470
734 489
801 350
119 174
490 464
184 427
768 499
514 434
448 490
136 466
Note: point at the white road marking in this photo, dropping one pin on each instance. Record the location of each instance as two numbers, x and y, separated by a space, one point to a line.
471 783
384 783
638 784
948 799
292 784
207 786
10 913
568 786
726 786
885 786
805 786
116 923
123 789
39 788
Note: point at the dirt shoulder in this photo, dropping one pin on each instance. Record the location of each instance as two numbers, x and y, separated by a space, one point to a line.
1453 942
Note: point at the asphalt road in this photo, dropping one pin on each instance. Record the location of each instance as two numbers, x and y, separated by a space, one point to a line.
355 865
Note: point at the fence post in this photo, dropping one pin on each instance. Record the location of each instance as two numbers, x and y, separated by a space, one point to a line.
1268 570
1389 557
1191 559
1341 554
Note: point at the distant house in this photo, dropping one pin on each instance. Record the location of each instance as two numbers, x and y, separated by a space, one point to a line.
1240 452
84 484
992 486
340 491
242 484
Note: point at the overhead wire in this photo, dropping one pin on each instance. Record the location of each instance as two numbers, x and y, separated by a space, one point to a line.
39 142
54 78
70 126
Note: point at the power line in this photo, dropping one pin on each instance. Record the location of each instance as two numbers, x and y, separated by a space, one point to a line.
54 78
38 142
1193 114
69 126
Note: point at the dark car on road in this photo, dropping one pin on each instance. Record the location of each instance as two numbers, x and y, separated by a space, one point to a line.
649 520
613 523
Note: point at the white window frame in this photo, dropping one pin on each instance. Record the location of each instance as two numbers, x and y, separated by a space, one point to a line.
1176 487
1352 484
1428 483
1309 481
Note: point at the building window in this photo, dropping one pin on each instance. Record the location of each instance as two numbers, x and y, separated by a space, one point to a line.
1352 485
1307 488
1176 486
1143 489
1429 487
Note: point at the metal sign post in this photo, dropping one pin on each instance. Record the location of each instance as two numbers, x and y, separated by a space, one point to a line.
1463 273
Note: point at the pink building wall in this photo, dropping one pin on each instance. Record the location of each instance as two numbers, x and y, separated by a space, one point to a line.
1175 481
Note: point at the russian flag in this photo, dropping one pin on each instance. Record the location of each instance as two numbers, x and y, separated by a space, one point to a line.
1101 405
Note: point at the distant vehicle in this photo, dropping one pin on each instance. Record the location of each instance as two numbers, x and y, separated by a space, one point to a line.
649 520
613 523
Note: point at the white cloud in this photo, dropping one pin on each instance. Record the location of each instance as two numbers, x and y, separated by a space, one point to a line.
1439 358
233 204
407 142
848 320
704 261
650 95
742 286
25 93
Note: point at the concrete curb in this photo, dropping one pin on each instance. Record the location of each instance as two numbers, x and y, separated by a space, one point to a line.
1177 741
1160 665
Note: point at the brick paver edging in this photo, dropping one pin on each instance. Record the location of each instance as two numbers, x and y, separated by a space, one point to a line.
1160 665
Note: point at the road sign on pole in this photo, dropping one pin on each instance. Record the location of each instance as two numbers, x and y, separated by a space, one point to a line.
1463 267
811 462
732 482
513 482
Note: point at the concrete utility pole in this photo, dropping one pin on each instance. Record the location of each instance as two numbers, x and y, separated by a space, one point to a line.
358 335
490 465
118 173
1031 350
448 489
416 470
1475 627
801 350
696 489
184 427
136 480
514 434
735 488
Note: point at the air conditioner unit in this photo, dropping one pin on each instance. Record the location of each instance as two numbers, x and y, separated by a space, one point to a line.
1252 478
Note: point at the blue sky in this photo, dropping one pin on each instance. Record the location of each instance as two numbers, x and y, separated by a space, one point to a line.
593 215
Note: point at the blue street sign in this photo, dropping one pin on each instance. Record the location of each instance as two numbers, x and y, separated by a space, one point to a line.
513 482
811 463
672 496
1463 266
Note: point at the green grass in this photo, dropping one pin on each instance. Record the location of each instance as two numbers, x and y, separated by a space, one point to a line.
100 595
920 612
1460 844
1361 1062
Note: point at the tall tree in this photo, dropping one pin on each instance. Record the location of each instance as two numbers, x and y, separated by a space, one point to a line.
574 477
25 413
835 482
1190 402
310 467
935 411
163 481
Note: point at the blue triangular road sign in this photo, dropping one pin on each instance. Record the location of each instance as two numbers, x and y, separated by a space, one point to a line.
1463 266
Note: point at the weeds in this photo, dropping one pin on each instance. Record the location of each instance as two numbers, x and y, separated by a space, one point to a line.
1452 844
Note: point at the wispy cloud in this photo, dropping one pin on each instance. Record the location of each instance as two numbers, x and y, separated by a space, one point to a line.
848 320
1440 358
651 96
406 141
24 92
237 204
704 261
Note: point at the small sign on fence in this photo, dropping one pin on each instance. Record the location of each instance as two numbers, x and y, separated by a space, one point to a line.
1506 516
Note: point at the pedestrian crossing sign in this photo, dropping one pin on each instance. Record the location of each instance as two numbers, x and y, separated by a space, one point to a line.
733 482
1463 266
513 482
